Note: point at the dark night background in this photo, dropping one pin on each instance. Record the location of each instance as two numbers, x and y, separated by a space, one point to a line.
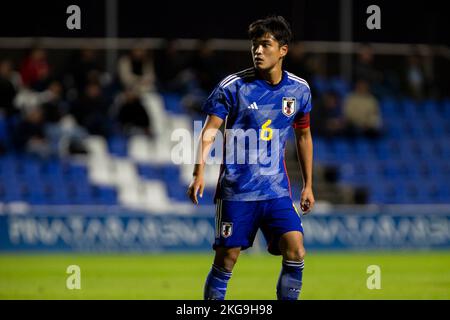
401 21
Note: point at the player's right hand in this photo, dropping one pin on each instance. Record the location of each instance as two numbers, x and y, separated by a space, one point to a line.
307 200
197 186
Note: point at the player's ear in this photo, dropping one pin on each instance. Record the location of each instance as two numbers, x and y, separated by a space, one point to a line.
284 50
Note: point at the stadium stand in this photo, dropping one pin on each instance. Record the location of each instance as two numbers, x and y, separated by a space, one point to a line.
408 164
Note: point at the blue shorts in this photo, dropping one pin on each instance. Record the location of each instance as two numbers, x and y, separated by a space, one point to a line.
237 222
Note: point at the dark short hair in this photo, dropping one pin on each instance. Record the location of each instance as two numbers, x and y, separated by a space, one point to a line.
275 25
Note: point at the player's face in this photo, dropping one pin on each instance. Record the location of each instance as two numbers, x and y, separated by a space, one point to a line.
267 52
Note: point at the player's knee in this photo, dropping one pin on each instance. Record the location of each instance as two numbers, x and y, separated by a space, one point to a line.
297 254
231 258
226 258
302 254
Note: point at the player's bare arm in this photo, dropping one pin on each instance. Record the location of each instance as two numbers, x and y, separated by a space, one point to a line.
205 142
304 146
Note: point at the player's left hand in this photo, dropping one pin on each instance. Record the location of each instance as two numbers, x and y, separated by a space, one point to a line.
197 186
307 200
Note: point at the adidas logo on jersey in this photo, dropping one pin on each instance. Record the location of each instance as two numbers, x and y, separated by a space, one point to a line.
253 106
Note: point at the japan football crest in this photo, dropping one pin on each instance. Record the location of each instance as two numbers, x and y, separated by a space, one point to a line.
227 229
288 106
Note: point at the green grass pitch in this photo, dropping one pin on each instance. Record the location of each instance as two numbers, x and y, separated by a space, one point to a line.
327 275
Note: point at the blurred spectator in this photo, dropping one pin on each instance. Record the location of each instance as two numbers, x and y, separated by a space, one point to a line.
9 84
132 115
297 61
64 135
326 116
203 75
170 64
29 135
136 71
50 100
192 103
27 99
317 64
91 110
53 105
85 68
35 70
206 66
365 70
415 77
362 112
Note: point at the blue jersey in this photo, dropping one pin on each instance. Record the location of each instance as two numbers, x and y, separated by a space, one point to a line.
256 110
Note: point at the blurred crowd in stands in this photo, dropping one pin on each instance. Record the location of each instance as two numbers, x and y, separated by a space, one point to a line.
49 113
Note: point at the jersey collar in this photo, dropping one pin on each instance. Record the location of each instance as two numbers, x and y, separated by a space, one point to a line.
273 87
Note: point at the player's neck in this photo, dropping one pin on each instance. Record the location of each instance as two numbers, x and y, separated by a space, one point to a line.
272 76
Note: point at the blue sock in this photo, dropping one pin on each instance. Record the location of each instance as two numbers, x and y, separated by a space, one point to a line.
290 280
216 284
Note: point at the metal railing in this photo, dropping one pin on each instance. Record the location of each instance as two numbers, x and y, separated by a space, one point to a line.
217 44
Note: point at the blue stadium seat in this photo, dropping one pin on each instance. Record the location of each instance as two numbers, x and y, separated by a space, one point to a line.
76 172
416 170
208 196
340 86
430 109
117 145
445 108
386 149
411 111
349 174
389 107
322 150
392 170
171 173
31 170
172 103
4 137
413 129
341 150
13 191
8 165
59 197
81 192
444 145
381 191
320 84
149 171
443 192
53 169
37 200
105 195
363 148
176 191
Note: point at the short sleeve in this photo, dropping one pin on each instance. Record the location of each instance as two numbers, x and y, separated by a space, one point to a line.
217 103
306 102
302 118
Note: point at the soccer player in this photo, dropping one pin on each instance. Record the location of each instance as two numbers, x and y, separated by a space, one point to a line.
250 195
